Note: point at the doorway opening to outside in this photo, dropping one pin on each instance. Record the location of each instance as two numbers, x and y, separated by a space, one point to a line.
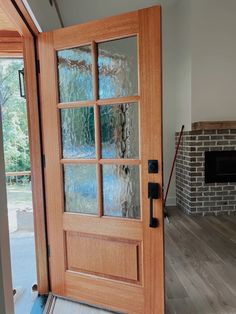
18 182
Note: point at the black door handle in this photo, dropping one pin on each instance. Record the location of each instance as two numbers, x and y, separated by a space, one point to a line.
152 194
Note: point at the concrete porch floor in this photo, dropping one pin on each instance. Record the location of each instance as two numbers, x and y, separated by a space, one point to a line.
23 269
22 247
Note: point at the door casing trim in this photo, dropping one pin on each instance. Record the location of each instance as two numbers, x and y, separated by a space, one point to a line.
19 16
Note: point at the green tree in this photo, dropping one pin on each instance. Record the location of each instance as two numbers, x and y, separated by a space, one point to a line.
14 117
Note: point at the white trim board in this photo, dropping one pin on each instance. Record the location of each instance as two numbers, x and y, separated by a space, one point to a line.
28 8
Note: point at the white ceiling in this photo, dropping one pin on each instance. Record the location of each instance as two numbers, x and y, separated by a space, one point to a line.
79 11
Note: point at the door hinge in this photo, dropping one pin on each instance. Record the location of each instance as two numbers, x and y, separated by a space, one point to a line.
49 251
44 161
38 66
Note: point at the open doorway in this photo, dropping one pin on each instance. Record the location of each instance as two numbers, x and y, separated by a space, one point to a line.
17 40
18 182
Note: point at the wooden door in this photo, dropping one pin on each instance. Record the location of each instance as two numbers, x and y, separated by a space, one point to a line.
101 118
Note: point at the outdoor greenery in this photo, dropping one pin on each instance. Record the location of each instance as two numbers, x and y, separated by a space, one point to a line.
14 117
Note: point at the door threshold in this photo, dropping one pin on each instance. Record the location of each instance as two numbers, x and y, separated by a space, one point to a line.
56 303
40 304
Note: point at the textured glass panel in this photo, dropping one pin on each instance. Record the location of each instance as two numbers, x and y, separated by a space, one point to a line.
77 130
121 192
119 131
117 65
80 188
75 74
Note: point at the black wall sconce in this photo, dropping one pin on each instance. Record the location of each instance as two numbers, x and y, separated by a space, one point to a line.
21 83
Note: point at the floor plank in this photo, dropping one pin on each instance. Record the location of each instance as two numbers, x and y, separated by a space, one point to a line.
200 264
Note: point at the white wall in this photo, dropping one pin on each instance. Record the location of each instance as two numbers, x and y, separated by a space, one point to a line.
183 64
213 60
176 80
169 32
205 60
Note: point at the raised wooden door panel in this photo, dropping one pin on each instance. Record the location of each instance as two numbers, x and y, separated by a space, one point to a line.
101 119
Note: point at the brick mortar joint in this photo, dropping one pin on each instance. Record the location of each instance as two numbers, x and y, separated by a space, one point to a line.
191 180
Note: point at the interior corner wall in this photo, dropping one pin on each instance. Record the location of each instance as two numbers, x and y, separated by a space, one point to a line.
169 33
213 60
183 65
176 81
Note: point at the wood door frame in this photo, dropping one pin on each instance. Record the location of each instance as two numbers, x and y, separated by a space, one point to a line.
19 16
11 44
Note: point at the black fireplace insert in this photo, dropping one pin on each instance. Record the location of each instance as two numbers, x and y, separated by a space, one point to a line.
220 166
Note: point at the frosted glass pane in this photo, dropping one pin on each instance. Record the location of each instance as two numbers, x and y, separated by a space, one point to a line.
121 191
117 66
77 130
120 131
80 188
75 74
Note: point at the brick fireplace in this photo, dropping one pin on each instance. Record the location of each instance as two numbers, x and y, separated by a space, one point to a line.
194 195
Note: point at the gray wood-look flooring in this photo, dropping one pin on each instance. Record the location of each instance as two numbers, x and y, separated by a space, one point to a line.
200 264
200 267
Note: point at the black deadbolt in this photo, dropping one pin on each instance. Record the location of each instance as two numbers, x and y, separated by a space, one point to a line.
152 166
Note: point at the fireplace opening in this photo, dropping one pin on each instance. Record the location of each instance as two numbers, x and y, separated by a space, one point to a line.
220 166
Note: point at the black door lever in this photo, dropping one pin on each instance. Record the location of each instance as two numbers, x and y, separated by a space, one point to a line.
152 194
